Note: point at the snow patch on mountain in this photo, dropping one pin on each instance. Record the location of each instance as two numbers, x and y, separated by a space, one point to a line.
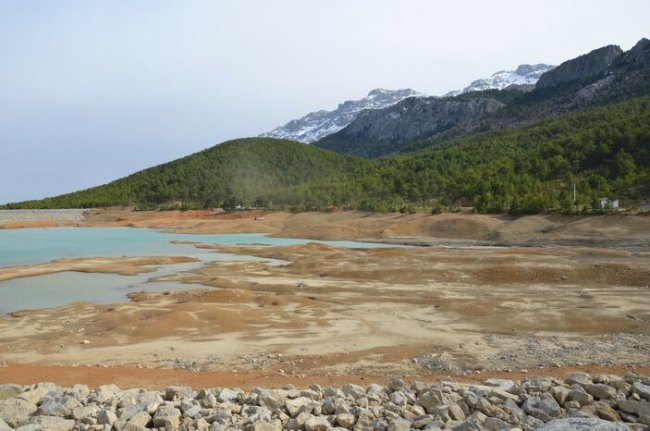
525 74
316 125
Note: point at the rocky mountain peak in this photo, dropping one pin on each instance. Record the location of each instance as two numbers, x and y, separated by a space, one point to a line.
585 66
524 74
526 69
639 55
318 124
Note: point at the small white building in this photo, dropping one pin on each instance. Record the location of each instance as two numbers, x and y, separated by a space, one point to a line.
608 203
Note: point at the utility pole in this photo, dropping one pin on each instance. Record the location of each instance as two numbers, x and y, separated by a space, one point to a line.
574 194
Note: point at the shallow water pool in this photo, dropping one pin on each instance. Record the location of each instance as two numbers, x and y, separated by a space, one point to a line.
32 246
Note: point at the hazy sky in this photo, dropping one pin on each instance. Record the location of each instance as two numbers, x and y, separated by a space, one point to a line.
93 90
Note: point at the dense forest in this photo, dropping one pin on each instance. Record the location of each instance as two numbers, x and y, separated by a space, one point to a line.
604 151
230 174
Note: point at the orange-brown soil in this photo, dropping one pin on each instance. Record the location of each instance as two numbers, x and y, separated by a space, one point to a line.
158 379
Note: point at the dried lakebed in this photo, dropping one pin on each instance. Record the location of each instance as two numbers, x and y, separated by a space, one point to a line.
361 311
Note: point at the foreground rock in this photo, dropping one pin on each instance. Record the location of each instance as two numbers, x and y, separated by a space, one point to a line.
580 402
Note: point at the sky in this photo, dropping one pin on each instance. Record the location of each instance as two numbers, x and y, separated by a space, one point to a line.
91 91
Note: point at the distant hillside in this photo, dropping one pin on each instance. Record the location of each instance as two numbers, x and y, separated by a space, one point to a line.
233 173
604 151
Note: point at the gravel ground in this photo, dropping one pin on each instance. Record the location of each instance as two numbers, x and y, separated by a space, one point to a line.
67 215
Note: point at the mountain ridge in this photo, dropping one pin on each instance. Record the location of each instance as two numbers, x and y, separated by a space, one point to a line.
378 132
523 75
602 76
318 124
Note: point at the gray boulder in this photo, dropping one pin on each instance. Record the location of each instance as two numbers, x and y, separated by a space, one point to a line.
178 392
579 378
582 424
167 416
641 390
297 405
641 408
84 413
106 417
230 395
141 419
399 424
543 408
105 393
600 391
265 426
317 423
345 420
36 394
80 392
9 390
15 411
61 407
270 399
49 423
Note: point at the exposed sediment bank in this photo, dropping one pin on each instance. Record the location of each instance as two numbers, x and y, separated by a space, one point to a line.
105 265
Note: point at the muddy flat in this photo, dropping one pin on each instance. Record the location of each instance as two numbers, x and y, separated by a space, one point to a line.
489 295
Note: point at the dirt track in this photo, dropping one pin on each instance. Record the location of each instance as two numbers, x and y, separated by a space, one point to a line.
375 312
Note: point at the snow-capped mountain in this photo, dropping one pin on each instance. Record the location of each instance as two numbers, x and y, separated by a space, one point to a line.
525 74
316 125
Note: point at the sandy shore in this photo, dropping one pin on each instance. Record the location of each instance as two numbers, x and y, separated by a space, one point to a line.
13 219
418 311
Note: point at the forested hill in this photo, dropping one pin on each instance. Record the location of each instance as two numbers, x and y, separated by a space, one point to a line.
233 173
604 151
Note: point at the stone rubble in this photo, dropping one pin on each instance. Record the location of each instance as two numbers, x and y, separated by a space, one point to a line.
580 402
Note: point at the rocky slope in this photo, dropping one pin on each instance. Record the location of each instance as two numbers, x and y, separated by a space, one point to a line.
318 124
383 131
524 75
585 66
581 402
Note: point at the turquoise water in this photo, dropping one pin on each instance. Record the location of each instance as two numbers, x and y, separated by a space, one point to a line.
30 246
54 290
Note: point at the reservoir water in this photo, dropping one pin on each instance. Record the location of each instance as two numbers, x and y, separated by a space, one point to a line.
32 246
